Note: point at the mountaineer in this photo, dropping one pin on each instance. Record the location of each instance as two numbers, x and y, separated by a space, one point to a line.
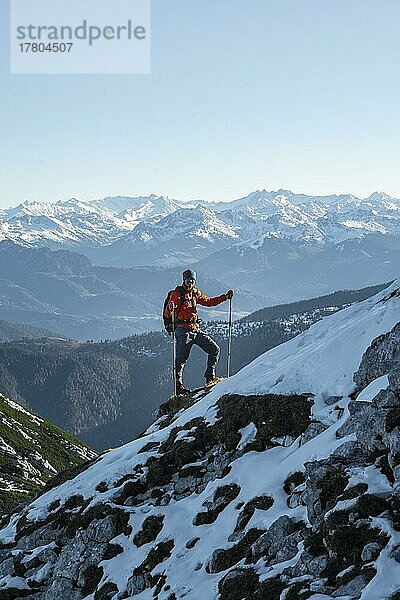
180 309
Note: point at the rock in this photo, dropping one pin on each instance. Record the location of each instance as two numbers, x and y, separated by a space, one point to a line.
165 500
293 480
353 588
184 484
260 503
136 584
297 497
47 555
316 566
395 553
237 584
106 592
380 357
89 579
332 400
354 454
272 540
394 381
311 432
222 497
326 480
150 529
366 422
62 588
284 551
224 558
69 561
273 416
40 536
371 551
6 567
392 440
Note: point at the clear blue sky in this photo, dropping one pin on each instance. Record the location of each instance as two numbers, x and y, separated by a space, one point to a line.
244 94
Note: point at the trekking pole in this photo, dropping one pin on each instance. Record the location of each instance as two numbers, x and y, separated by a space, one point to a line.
172 311
229 336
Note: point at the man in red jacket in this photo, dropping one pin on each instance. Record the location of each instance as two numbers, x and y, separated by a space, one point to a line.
187 327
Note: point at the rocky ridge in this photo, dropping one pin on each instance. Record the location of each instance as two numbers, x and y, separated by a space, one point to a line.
282 482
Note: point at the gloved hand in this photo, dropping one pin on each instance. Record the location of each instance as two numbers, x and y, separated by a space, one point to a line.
229 294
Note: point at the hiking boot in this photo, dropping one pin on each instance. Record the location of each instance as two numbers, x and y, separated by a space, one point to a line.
210 376
181 390
213 381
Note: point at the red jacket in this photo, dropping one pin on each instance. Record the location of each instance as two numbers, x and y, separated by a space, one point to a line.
187 317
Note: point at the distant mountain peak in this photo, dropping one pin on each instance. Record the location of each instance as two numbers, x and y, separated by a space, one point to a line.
379 196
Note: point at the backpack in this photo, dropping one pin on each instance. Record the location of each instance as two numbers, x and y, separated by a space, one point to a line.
168 320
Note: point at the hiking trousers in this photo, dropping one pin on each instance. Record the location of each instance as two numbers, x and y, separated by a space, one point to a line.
185 338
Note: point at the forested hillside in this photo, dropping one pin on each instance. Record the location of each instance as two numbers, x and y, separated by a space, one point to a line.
32 451
18 331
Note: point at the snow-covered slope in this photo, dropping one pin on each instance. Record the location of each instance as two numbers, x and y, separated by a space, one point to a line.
276 484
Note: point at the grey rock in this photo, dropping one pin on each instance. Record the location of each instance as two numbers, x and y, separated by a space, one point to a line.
284 549
371 551
182 485
183 495
4 554
7 567
392 440
394 382
136 584
386 399
319 587
366 422
309 564
352 454
296 499
62 588
311 432
68 563
236 536
166 499
332 400
47 555
131 501
395 553
273 539
40 537
317 565
353 588
325 480
380 357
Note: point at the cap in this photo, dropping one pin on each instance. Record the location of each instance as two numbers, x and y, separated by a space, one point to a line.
189 273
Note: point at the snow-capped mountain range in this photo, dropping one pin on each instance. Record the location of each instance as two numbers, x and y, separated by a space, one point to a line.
156 230
282 482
